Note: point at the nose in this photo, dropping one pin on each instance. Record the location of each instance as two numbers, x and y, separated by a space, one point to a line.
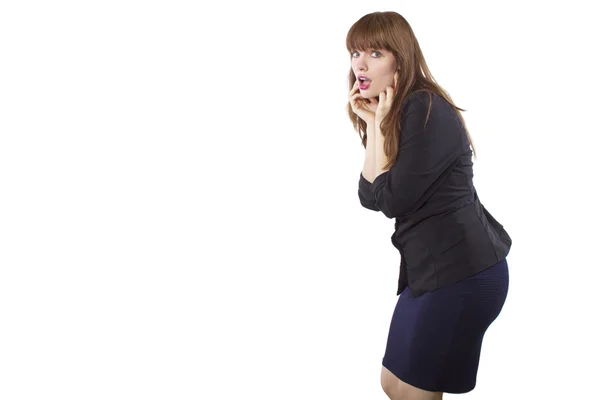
360 64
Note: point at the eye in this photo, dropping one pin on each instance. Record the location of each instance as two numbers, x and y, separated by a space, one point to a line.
372 52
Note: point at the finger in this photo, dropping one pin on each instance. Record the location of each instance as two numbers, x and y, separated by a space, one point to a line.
356 99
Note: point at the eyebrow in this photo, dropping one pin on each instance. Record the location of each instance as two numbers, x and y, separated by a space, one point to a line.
371 49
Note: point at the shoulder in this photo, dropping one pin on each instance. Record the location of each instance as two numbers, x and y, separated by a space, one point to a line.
420 99
417 106
425 104
417 98
426 111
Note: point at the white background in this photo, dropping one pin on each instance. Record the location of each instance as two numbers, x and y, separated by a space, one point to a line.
179 215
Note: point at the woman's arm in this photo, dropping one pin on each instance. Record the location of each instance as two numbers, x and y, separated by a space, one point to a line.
365 181
427 153
381 158
369 165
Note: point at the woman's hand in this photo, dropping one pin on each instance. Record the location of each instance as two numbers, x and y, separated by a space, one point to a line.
385 101
364 108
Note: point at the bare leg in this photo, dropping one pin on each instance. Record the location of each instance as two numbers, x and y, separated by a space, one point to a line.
399 390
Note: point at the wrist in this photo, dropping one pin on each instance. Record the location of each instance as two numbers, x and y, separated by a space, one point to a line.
377 125
371 125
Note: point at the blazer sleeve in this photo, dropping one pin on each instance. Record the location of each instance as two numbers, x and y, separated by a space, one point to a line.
427 154
365 193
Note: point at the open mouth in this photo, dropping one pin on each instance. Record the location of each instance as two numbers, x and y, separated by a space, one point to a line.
363 83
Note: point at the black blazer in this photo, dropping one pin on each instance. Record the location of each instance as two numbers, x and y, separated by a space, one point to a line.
443 232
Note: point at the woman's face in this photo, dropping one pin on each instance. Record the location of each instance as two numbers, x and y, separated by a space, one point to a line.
378 66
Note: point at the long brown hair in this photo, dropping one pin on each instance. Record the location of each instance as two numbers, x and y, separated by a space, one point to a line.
390 31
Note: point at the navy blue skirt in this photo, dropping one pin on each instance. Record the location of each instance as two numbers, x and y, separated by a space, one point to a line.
434 341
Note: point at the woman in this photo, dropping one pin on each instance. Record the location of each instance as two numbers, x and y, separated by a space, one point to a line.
453 277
